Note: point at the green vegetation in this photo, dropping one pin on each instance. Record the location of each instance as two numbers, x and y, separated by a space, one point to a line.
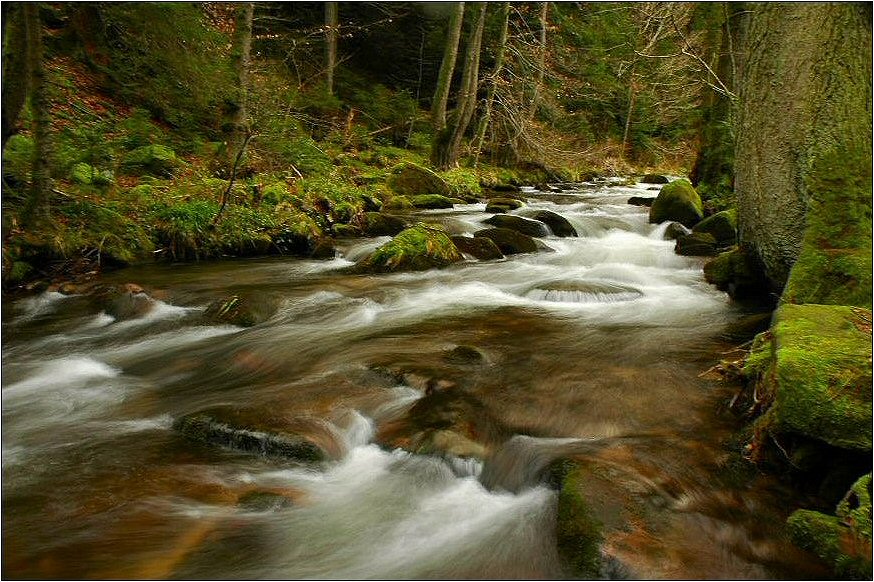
418 248
578 531
677 201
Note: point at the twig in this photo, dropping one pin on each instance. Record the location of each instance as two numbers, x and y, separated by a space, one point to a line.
227 193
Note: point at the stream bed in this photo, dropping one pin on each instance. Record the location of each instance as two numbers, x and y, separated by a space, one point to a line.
592 349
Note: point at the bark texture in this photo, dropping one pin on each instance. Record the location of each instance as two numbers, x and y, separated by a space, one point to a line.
331 24
805 96
36 208
14 81
447 67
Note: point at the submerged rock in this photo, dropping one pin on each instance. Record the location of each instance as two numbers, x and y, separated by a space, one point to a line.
478 247
247 430
510 242
583 292
578 532
677 201
234 310
519 224
418 248
465 355
558 224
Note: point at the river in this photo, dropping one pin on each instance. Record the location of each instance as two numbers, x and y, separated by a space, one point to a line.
594 347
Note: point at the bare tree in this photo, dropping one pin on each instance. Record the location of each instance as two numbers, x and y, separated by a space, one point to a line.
447 68
493 82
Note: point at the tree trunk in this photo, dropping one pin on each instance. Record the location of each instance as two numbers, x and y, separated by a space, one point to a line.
37 204
331 26
447 67
541 62
627 150
14 81
803 153
241 56
450 145
493 81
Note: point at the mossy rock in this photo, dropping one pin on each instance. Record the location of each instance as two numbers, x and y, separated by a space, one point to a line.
817 366
722 225
378 224
87 174
578 532
413 180
654 179
249 431
519 224
397 203
431 201
843 540
737 273
323 249
477 247
418 248
676 231
510 242
677 201
501 205
558 224
346 231
697 244
155 160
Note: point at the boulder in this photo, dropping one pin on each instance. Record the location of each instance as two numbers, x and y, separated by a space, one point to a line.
504 202
814 365
519 224
737 273
431 201
677 201
478 247
641 201
509 242
397 203
249 431
412 180
697 244
323 249
675 230
378 224
346 230
843 540
154 160
722 225
418 248
654 179
558 224
83 173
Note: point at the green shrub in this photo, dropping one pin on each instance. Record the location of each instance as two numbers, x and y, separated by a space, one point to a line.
17 158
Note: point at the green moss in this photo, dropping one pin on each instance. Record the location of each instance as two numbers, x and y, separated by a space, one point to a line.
834 266
431 201
578 532
463 183
736 272
155 159
397 203
722 225
677 201
86 174
843 541
412 180
820 374
415 249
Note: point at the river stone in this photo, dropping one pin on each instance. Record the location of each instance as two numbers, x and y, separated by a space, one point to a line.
247 430
397 203
578 531
413 180
654 179
510 242
502 205
431 201
697 244
465 355
418 248
378 224
346 231
233 310
722 225
583 292
519 224
641 201
677 201
675 230
478 247
323 249
737 273
558 224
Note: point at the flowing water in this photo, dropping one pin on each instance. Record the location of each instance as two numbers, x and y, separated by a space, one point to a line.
592 350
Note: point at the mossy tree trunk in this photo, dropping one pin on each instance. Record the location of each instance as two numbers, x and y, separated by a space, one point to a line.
14 51
331 26
36 208
804 133
448 145
241 56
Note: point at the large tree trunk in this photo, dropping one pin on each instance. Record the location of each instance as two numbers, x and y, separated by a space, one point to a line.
14 65
37 204
447 147
803 155
331 24
493 80
447 67
241 56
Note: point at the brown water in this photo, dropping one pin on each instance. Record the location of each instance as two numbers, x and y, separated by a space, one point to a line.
602 339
